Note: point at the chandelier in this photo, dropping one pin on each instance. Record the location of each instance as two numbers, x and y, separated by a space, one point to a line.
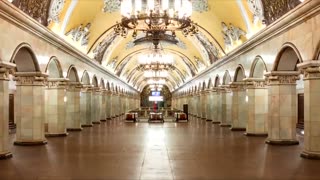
156 17
156 60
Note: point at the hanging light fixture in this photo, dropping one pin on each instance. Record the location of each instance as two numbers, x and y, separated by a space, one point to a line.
156 17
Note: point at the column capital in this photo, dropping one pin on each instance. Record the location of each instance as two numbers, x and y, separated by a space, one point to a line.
310 69
255 83
31 78
57 83
282 77
234 86
4 69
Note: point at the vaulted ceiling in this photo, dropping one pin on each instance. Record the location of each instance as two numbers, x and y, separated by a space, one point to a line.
223 25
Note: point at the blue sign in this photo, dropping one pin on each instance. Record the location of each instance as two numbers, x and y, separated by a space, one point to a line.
155 93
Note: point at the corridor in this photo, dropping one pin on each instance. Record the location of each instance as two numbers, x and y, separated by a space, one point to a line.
191 151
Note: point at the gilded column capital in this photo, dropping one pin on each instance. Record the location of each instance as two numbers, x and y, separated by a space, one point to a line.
310 69
282 77
31 78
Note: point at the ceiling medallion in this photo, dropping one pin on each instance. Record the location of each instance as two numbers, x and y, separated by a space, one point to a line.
155 18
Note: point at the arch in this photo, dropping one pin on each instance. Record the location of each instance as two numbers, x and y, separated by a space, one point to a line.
54 68
217 81
95 81
226 78
102 84
204 86
85 78
25 59
287 58
239 74
258 68
72 74
112 87
209 84
108 86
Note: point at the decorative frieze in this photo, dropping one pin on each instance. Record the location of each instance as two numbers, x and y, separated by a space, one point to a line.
57 83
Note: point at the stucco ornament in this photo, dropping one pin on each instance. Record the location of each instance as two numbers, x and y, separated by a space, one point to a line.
212 51
80 33
56 8
104 46
111 6
256 7
231 34
200 5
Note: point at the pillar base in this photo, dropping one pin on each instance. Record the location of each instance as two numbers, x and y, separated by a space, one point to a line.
56 135
208 119
109 118
309 155
225 125
103 120
96 122
86 125
256 134
216 122
74 129
30 143
237 129
6 155
282 142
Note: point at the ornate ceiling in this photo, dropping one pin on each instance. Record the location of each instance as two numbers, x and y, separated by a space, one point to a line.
223 25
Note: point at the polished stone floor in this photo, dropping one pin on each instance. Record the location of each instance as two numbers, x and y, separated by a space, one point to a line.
127 151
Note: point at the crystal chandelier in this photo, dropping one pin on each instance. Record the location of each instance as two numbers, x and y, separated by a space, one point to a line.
156 17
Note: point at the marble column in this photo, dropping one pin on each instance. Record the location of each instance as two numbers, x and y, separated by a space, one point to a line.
30 108
311 148
198 100
73 120
85 106
216 115
108 105
113 105
257 93
195 106
209 105
203 104
282 100
95 105
239 110
55 107
4 109
103 113
225 101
